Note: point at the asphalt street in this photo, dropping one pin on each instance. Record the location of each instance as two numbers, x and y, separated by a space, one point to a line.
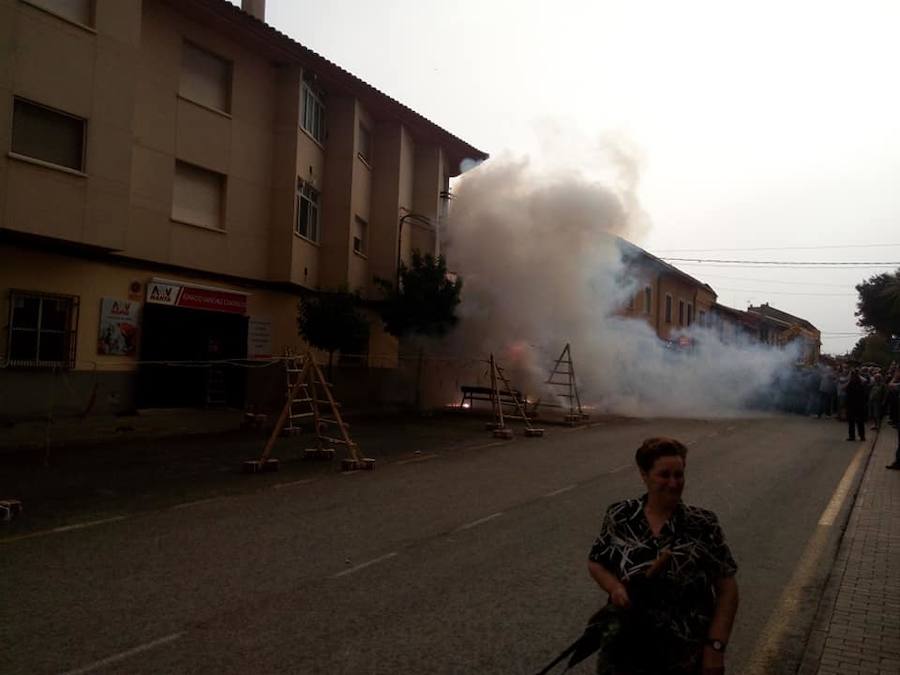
467 561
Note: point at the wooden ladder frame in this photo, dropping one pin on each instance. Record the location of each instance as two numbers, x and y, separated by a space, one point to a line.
312 389
499 427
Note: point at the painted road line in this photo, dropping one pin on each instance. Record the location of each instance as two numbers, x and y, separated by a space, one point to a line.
829 515
124 655
81 526
364 565
194 503
777 630
480 521
420 458
617 469
59 530
482 446
561 490
293 483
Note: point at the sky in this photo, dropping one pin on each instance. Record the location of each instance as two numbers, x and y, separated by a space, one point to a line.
765 131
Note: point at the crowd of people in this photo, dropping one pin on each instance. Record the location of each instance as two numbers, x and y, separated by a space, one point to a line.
863 396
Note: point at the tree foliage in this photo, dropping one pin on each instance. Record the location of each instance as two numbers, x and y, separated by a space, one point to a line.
331 322
426 301
873 348
878 307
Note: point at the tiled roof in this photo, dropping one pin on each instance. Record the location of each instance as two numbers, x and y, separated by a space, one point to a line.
635 250
767 310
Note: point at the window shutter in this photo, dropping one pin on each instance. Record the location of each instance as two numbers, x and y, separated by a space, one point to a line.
205 78
78 11
48 135
198 196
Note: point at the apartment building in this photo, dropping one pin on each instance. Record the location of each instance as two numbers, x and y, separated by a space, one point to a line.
177 174
668 299
777 327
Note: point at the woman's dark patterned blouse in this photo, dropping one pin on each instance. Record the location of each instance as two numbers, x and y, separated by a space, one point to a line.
686 591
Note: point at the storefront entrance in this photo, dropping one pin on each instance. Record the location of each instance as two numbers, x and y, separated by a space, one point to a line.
191 357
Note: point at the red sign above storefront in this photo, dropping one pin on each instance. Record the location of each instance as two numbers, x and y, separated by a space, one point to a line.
196 297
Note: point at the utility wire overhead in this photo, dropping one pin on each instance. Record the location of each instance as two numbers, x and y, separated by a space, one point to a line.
838 263
762 265
777 281
770 292
776 248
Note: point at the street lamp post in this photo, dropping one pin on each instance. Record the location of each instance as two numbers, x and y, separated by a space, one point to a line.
417 218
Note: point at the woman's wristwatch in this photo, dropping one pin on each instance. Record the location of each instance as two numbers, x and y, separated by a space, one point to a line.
716 645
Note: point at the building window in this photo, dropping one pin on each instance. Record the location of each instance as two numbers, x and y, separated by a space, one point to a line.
42 330
199 196
365 144
307 211
701 315
313 113
681 312
77 11
205 78
648 299
668 308
690 314
360 236
48 135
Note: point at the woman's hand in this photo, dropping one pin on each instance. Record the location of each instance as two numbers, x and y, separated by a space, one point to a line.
619 597
713 662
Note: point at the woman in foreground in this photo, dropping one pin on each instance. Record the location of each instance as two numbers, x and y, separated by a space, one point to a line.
689 613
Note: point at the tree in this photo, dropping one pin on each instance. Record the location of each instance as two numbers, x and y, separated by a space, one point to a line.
424 304
878 307
330 321
426 301
873 349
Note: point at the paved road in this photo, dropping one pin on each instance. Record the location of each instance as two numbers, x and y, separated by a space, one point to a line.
462 562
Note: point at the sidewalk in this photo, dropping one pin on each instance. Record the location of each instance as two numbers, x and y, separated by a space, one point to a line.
86 431
857 627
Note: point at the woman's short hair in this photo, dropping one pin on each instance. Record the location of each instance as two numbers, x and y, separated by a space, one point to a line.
654 448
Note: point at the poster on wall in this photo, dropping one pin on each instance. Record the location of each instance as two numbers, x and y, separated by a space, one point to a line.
118 327
259 339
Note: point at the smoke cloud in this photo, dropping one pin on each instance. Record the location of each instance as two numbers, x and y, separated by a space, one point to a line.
542 267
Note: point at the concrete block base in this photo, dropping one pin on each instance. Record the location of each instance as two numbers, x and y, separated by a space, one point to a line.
256 466
324 454
534 432
364 464
505 433
9 509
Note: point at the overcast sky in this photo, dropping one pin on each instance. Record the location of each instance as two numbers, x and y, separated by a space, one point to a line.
760 125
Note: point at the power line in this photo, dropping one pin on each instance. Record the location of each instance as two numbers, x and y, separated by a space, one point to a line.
775 248
828 263
776 281
762 265
768 292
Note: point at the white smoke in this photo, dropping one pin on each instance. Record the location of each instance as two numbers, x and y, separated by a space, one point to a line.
541 269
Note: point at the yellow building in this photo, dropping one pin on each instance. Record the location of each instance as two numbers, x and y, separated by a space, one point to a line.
176 175
667 298
777 327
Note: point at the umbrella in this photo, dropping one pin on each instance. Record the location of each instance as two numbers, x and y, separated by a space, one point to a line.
613 630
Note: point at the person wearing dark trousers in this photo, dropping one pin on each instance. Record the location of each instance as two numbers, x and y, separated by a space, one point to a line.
857 407
894 388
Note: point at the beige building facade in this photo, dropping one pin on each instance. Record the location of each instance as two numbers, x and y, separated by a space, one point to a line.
176 176
669 300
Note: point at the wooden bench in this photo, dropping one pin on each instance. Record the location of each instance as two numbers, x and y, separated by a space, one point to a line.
470 394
